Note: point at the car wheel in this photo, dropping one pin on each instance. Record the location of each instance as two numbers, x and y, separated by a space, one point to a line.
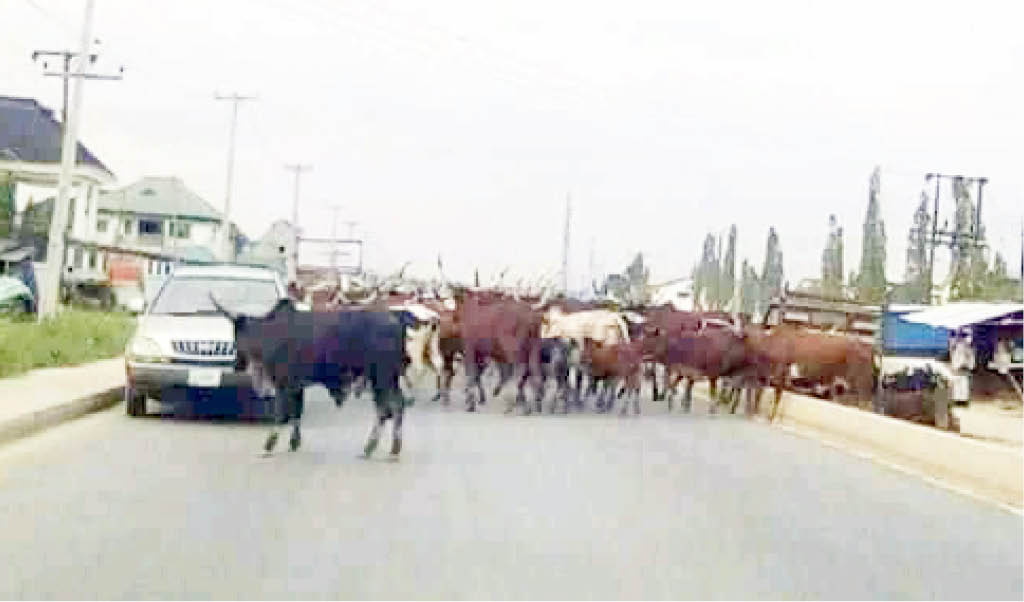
134 402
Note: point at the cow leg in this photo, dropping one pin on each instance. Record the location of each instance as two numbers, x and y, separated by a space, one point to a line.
298 401
628 393
396 432
473 375
283 415
689 393
378 426
505 373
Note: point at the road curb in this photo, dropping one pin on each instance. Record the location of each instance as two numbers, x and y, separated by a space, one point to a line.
33 422
988 470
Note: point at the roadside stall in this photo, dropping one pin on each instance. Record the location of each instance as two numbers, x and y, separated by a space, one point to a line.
983 337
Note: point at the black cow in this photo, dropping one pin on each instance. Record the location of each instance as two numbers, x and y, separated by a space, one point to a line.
289 349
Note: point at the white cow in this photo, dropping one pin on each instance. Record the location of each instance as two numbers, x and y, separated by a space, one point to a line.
422 344
600 325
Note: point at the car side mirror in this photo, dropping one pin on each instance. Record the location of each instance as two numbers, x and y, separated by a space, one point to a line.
136 305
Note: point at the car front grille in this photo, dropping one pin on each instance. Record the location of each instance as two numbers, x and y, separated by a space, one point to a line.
224 349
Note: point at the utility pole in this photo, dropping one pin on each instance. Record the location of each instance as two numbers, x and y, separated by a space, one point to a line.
58 222
225 235
565 244
66 55
298 168
334 238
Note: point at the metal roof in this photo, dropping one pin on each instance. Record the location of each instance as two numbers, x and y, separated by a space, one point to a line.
29 132
158 196
958 315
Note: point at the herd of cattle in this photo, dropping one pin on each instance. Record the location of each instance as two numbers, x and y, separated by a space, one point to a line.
583 350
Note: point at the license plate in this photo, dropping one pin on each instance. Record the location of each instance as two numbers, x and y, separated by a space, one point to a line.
204 377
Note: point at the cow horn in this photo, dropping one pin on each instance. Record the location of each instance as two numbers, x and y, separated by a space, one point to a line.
543 299
221 309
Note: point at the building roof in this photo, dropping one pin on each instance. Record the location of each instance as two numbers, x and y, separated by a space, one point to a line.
958 315
158 196
29 132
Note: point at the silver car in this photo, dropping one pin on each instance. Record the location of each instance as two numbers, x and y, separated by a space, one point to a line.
183 347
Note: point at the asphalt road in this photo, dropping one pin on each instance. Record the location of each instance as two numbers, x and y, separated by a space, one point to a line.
482 506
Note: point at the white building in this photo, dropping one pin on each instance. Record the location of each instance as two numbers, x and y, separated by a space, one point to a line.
158 215
30 158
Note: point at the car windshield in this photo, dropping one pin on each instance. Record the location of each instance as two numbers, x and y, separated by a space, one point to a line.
185 296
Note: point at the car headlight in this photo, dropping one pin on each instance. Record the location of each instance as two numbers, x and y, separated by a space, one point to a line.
145 349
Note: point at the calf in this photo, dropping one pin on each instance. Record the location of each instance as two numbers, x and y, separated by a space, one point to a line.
616 364
289 350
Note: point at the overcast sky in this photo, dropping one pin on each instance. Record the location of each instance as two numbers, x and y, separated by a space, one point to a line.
459 128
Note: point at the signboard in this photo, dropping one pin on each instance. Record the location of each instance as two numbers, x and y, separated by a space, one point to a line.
344 254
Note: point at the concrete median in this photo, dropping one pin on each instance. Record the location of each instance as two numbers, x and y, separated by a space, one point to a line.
989 470
48 397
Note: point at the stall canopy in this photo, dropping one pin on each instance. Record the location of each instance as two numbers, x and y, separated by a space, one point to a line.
959 315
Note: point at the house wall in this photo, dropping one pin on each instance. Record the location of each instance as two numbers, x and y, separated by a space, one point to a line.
201 233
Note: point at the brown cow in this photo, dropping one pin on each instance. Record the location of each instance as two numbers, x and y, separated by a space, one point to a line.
505 331
710 353
819 356
616 364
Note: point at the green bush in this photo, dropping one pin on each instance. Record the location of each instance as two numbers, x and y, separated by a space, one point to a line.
73 337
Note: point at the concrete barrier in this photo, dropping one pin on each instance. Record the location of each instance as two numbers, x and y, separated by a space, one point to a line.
13 428
987 469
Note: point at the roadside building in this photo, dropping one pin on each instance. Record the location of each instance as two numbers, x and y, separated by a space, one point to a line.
30 158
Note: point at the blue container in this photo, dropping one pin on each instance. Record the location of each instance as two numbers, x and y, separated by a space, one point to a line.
910 339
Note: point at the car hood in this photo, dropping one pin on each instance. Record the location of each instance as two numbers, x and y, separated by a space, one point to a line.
163 329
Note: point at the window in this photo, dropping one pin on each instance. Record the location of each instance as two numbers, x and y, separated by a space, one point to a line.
101 225
127 227
78 258
92 260
192 296
180 230
149 226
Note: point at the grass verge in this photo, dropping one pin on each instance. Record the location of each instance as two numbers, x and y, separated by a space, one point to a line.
75 336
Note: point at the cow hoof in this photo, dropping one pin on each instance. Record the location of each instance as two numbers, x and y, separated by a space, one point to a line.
369 447
270 443
295 441
396 448
471 409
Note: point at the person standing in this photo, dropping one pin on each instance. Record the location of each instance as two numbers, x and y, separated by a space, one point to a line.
961 359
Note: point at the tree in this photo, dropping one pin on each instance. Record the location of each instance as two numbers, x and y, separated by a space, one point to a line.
637 276
832 261
772 272
6 206
749 295
917 273
727 269
706 284
871 286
